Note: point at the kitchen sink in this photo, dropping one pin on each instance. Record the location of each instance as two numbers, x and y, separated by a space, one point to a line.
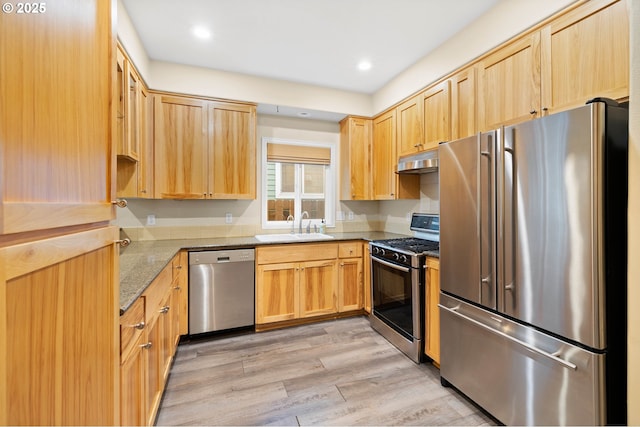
289 237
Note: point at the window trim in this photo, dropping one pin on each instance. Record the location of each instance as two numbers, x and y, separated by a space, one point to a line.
330 184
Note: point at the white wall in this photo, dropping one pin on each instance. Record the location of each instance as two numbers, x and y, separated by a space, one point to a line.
633 279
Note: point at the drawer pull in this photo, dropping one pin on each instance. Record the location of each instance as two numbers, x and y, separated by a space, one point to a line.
121 203
139 325
146 346
164 310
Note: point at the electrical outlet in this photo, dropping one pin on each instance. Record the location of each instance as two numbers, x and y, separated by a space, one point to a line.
350 216
228 218
408 217
151 219
340 216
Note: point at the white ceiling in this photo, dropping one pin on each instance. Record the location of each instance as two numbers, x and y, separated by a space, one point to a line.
318 42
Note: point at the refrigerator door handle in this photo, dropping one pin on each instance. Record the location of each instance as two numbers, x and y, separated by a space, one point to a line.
486 218
555 358
507 208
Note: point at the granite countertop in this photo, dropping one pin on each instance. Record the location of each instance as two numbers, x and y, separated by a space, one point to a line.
142 261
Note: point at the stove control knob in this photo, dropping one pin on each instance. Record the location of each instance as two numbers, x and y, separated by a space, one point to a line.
376 251
396 257
382 251
404 258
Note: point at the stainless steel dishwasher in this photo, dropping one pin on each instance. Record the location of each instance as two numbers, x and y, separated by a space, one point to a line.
221 290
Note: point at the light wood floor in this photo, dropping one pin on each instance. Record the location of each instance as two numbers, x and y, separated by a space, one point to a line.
339 372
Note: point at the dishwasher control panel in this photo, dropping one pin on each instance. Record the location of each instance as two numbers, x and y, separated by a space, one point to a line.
216 257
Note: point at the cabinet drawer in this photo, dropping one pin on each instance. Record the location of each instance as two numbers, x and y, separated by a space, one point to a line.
296 253
350 249
131 326
156 291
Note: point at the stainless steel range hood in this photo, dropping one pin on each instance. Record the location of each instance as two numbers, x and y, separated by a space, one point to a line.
424 162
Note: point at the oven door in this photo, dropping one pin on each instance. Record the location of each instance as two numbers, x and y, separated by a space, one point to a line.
396 297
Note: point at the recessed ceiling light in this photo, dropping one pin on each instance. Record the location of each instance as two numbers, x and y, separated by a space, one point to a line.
364 65
201 32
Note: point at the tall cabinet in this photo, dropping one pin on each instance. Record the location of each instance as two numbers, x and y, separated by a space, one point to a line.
59 306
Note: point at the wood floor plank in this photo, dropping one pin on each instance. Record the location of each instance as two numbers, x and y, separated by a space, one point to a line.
338 372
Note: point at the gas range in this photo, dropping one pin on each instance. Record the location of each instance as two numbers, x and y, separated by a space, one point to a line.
410 251
397 284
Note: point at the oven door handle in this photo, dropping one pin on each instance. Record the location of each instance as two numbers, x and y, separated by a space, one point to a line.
390 264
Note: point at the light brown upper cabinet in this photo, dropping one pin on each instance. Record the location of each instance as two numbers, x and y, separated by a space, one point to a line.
436 110
233 166
463 103
581 54
127 101
585 54
509 83
135 179
181 146
203 149
145 164
355 158
410 126
387 184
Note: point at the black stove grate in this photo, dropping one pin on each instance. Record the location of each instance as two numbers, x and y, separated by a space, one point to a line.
411 244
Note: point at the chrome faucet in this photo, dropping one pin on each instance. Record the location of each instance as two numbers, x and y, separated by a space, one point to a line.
293 223
300 225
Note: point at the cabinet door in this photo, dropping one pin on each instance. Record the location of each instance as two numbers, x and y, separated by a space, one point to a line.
56 116
585 55
509 84
234 152
133 409
131 144
436 108
181 147
463 104
59 307
145 162
350 288
384 156
367 278
166 320
410 126
318 288
183 284
355 159
432 313
155 369
277 293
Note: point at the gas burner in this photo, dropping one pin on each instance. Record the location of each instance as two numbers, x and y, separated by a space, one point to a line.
410 244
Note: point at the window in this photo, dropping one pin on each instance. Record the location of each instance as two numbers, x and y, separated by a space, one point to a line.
297 177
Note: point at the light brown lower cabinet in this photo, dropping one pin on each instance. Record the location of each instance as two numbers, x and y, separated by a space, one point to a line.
59 312
308 280
432 313
149 332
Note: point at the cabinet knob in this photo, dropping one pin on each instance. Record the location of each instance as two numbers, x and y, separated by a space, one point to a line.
532 112
121 203
146 346
139 325
124 242
164 310
177 288
179 267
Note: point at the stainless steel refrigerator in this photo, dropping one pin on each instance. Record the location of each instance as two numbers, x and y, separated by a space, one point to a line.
533 259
